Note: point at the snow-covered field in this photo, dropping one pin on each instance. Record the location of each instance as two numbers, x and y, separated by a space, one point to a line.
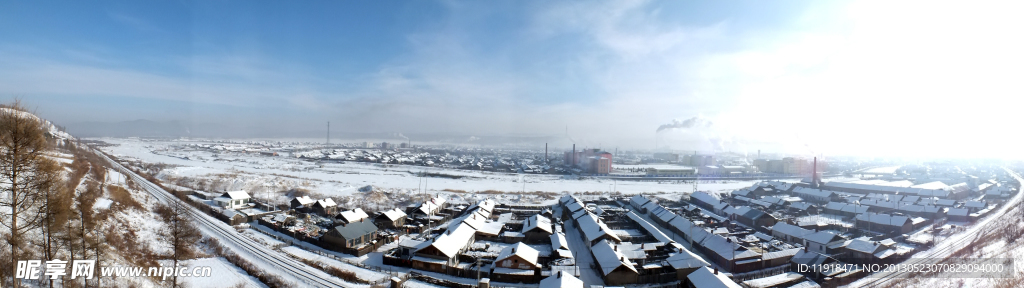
361 273
223 274
265 175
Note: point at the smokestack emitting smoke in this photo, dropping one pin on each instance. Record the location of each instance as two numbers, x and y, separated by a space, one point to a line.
695 122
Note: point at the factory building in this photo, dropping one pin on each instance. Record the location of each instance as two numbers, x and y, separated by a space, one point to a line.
592 161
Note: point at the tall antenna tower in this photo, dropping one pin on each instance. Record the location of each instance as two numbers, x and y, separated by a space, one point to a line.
328 132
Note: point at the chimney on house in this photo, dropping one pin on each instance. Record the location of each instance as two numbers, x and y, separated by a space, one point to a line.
716 270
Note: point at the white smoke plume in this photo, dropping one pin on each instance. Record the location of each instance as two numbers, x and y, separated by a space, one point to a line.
695 122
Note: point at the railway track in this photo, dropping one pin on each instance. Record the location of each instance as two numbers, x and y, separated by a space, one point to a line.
215 228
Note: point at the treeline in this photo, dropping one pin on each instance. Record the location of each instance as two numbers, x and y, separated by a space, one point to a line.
47 208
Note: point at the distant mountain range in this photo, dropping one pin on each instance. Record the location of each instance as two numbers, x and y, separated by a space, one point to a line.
175 129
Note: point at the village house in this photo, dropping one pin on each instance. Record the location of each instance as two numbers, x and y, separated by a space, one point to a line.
885 223
350 236
302 201
392 219
616 269
789 233
325 207
707 278
561 280
233 200
824 242
516 263
537 229
350 216
444 250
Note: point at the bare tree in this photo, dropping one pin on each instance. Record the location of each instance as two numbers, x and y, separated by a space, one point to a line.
55 210
24 172
182 234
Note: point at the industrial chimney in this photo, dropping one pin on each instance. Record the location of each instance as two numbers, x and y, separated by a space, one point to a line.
815 182
573 154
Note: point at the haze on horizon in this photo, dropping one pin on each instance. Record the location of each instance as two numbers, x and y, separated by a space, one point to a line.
870 78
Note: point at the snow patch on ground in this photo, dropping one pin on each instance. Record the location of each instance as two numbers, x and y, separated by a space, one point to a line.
102 204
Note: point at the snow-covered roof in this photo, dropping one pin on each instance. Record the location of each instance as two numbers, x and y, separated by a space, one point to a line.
354 215
235 195
863 246
773 281
609 258
728 250
651 229
705 278
802 206
304 200
524 251
883 219
705 198
685 260
561 280
593 228
780 254
452 241
790 230
558 241
688 229
822 237
931 185
537 222
485 205
811 192
639 200
394 214
328 202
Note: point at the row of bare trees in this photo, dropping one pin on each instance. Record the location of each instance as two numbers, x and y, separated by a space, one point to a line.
47 212
33 193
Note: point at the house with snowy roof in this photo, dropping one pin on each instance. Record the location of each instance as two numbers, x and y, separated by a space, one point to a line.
561 280
707 201
815 195
516 263
615 268
350 237
685 262
354 215
233 200
824 242
594 229
726 253
638 203
537 229
789 233
707 278
325 207
392 219
865 251
301 201
443 251
885 223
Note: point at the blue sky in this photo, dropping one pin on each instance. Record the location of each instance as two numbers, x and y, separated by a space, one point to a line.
612 71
